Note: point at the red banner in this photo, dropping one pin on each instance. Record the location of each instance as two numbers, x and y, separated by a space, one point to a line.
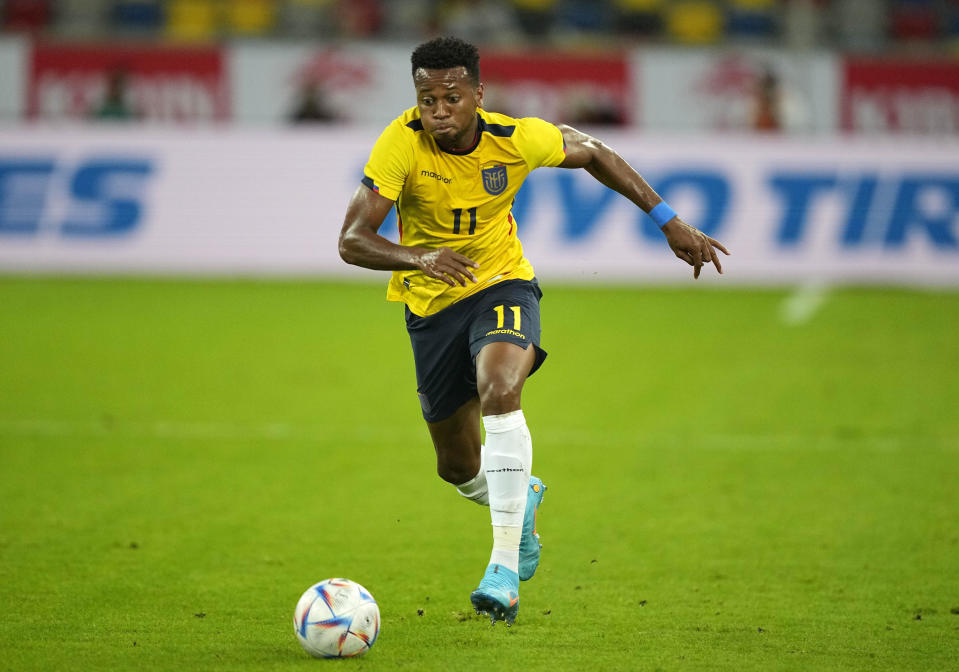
571 88
881 96
178 84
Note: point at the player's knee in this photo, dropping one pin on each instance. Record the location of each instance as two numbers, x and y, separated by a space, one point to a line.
500 395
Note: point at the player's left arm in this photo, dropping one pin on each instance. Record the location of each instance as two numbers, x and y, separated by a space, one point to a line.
689 244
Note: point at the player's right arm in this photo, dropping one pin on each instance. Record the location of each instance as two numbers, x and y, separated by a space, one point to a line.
360 244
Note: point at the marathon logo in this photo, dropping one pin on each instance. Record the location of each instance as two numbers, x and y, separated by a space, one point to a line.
508 332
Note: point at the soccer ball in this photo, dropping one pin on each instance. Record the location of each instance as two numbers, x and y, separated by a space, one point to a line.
336 618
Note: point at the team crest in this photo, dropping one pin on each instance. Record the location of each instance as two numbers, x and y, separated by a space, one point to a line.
494 179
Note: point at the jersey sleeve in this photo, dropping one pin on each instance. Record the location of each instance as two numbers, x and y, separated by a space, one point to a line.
540 142
389 163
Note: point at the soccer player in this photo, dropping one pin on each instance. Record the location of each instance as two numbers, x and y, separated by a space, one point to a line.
472 300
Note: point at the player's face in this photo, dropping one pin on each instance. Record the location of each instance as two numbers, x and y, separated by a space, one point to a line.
448 100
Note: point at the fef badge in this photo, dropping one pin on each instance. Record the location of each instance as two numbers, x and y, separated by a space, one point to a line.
494 179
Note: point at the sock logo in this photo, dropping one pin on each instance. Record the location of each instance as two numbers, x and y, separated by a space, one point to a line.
497 471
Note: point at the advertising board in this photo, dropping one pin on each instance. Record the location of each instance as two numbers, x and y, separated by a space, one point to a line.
888 96
272 202
13 74
736 91
573 88
152 83
349 83
370 84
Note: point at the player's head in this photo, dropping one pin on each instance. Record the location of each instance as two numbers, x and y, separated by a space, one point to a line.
448 90
444 53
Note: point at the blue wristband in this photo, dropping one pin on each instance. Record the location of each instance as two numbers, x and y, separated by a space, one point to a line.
662 213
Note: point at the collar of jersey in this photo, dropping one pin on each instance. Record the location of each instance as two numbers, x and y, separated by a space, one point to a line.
480 128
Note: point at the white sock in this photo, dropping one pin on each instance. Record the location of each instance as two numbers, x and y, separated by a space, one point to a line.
475 489
508 460
506 546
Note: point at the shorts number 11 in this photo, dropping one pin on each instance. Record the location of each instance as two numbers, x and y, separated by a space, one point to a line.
517 317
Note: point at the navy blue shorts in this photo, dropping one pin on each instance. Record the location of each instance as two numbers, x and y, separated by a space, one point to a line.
445 344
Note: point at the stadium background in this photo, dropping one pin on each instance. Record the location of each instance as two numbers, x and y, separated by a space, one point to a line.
817 139
751 472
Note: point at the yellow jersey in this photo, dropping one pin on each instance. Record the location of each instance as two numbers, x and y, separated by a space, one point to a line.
459 200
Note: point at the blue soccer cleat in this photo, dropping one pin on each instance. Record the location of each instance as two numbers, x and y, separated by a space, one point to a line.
497 594
529 545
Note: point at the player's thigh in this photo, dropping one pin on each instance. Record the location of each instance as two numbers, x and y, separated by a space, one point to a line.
509 313
445 375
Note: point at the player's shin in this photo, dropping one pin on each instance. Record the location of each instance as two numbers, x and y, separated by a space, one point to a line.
507 460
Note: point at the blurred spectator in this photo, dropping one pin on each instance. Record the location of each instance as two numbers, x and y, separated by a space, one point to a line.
593 109
115 105
478 21
308 18
27 15
803 23
136 17
82 19
251 18
583 17
410 20
311 106
192 20
861 24
639 18
360 18
848 25
694 22
767 112
952 26
752 19
535 17
914 21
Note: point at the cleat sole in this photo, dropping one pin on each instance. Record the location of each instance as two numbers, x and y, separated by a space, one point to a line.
483 604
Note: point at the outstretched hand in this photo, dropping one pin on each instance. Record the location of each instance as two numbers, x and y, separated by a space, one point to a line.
692 245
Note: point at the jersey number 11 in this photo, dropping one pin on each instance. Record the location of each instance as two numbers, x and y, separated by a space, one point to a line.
458 214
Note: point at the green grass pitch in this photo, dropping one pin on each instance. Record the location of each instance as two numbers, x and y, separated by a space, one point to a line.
180 460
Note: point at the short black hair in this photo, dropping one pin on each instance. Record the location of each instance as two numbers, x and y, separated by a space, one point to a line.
442 53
